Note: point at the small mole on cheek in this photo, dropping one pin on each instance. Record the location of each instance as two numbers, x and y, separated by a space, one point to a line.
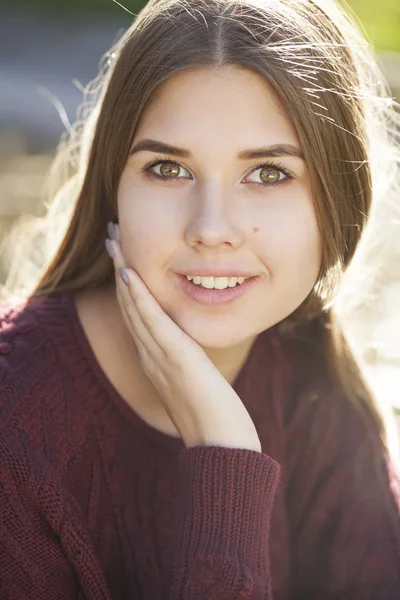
255 230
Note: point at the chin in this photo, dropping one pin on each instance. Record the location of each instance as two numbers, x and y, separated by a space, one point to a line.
219 335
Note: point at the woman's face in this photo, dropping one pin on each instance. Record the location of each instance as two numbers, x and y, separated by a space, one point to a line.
214 209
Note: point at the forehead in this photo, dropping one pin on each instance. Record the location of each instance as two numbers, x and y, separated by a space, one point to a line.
207 101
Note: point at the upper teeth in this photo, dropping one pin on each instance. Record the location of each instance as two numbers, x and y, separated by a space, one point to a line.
219 283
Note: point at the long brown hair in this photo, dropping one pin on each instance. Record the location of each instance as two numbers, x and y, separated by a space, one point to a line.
323 70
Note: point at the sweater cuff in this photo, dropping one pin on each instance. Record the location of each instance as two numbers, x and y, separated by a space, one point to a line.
224 506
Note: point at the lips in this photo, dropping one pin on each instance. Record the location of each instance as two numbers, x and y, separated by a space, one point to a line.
217 272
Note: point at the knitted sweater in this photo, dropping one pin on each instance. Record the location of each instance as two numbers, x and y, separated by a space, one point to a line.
97 504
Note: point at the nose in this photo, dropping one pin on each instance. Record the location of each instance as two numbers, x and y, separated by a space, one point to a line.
214 222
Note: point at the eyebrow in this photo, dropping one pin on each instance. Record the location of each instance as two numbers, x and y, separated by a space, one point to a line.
274 151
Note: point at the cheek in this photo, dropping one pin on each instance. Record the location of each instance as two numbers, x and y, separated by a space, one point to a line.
147 235
289 240
304 241
144 237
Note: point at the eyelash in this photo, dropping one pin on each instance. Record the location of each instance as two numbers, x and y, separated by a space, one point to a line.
271 164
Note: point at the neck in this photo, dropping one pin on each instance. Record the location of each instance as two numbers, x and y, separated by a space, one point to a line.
229 361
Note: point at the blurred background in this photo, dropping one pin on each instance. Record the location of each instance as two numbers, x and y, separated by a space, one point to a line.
51 50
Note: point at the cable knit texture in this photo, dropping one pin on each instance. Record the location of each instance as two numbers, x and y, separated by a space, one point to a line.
97 504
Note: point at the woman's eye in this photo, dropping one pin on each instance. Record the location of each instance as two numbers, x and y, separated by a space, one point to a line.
168 170
267 175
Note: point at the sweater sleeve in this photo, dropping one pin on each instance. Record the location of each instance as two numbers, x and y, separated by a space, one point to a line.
343 499
45 551
219 546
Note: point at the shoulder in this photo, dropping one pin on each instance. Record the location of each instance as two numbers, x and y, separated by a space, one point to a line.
328 433
26 350
34 386
22 348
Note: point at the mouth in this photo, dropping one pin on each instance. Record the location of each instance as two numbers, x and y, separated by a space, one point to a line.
211 296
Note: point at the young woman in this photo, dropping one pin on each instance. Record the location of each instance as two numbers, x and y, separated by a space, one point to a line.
181 415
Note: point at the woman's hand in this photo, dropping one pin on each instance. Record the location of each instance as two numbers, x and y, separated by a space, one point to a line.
203 406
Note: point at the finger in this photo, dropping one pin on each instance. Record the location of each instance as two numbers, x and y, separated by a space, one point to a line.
167 335
113 231
128 305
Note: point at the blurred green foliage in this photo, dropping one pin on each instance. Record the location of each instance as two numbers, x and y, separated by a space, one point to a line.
380 20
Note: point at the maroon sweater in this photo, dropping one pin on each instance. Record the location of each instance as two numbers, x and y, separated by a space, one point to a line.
97 504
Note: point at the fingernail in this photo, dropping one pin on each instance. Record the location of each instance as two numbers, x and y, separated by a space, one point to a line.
109 248
124 275
111 230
